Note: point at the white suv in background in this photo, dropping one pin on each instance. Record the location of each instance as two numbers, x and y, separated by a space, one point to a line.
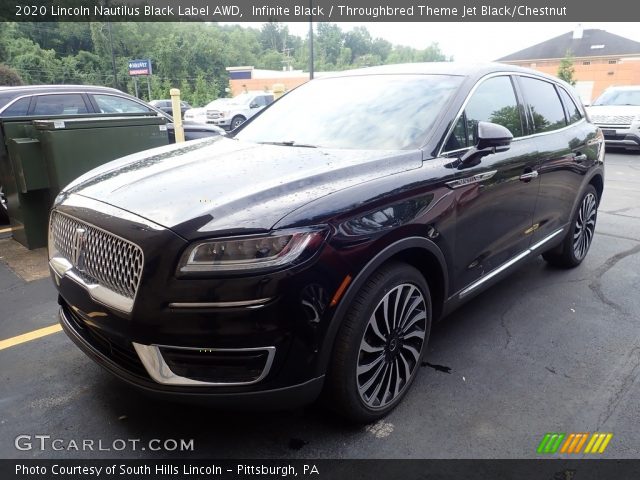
617 113
239 109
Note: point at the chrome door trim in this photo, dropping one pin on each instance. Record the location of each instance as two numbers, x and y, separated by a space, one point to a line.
466 291
462 182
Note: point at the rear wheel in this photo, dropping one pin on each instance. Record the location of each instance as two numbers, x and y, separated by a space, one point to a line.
574 247
380 344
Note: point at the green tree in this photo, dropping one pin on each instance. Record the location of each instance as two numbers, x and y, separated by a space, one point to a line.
9 77
566 70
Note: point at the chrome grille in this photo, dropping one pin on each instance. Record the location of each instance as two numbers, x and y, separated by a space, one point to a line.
612 119
98 256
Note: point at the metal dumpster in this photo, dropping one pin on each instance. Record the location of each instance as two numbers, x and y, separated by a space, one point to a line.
41 156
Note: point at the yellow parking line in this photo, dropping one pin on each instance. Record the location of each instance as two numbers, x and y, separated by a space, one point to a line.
4 230
27 337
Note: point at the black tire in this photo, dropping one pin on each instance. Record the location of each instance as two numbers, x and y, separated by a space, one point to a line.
396 366
236 122
4 213
576 243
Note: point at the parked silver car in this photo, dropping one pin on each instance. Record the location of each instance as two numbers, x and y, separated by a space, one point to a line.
617 113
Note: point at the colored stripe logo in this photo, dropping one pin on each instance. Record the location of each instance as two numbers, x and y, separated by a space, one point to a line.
555 442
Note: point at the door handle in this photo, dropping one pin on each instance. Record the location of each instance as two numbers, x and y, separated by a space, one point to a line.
528 176
580 157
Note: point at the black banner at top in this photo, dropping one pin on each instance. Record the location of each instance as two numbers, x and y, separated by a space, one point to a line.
319 10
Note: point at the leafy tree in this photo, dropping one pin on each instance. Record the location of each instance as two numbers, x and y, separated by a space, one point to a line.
9 77
566 70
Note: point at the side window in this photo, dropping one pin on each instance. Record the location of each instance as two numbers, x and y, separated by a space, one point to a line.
61 104
259 100
113 104
546 110
268 99
572 109
493 101
19 108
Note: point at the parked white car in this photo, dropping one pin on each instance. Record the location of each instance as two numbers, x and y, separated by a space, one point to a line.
199 115
617 113
239 109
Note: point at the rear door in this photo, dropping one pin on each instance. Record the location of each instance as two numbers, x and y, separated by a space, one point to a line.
495 199
562 137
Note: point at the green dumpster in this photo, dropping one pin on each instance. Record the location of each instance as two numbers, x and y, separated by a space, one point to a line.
44 155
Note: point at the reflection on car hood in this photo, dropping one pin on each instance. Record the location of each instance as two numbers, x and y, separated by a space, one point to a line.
228 186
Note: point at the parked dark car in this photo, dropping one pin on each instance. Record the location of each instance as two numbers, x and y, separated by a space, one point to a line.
314 252
56 100
165 106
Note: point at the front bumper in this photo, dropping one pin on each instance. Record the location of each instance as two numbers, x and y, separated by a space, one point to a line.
627 136
121 362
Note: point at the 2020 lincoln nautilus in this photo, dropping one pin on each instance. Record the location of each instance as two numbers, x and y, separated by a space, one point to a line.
312 249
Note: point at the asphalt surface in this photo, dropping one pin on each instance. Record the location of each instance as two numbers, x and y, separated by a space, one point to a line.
547 350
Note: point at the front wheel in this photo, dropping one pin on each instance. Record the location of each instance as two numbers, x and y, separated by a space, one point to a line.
573 249
237 121
380 344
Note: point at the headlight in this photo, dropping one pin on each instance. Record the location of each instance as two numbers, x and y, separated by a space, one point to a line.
241 254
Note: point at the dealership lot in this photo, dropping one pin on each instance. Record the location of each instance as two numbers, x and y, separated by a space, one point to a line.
545 351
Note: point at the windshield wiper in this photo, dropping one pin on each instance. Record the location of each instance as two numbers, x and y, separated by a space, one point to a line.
289 143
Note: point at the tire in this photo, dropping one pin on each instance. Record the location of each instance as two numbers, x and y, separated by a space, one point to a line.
4 213
575 245
371 370
236 122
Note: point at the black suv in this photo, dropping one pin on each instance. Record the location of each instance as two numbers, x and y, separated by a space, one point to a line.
314 249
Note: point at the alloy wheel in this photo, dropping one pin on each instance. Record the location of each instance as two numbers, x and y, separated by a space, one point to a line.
391 345
585 226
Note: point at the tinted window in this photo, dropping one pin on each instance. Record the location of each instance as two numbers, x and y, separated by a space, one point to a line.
18 109
113 104
493 101
546 110
359 112
572 109
62 104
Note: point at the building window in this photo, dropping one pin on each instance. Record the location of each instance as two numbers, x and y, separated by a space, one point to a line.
613 62
586 63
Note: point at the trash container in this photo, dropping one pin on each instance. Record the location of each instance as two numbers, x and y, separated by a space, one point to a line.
44 155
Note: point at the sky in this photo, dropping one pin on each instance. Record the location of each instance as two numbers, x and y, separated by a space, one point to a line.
473 42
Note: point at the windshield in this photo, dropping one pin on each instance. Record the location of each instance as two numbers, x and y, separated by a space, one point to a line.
619 97
377 112
241 99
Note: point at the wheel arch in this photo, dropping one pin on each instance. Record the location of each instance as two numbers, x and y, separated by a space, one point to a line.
598 183
418 252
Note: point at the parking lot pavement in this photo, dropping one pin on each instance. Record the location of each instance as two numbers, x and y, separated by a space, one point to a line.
547 350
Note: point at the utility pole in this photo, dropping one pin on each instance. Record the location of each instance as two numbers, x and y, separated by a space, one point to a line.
311 41
113 57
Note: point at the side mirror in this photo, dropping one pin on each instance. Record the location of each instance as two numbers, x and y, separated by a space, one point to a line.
253 105
492 138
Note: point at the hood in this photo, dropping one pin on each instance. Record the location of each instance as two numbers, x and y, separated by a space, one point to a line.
613 114
225 186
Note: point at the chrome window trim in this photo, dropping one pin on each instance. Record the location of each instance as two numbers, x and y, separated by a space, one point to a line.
467 290
155 365
31 95
441 151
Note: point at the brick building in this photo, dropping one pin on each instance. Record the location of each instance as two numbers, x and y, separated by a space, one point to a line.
601 59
